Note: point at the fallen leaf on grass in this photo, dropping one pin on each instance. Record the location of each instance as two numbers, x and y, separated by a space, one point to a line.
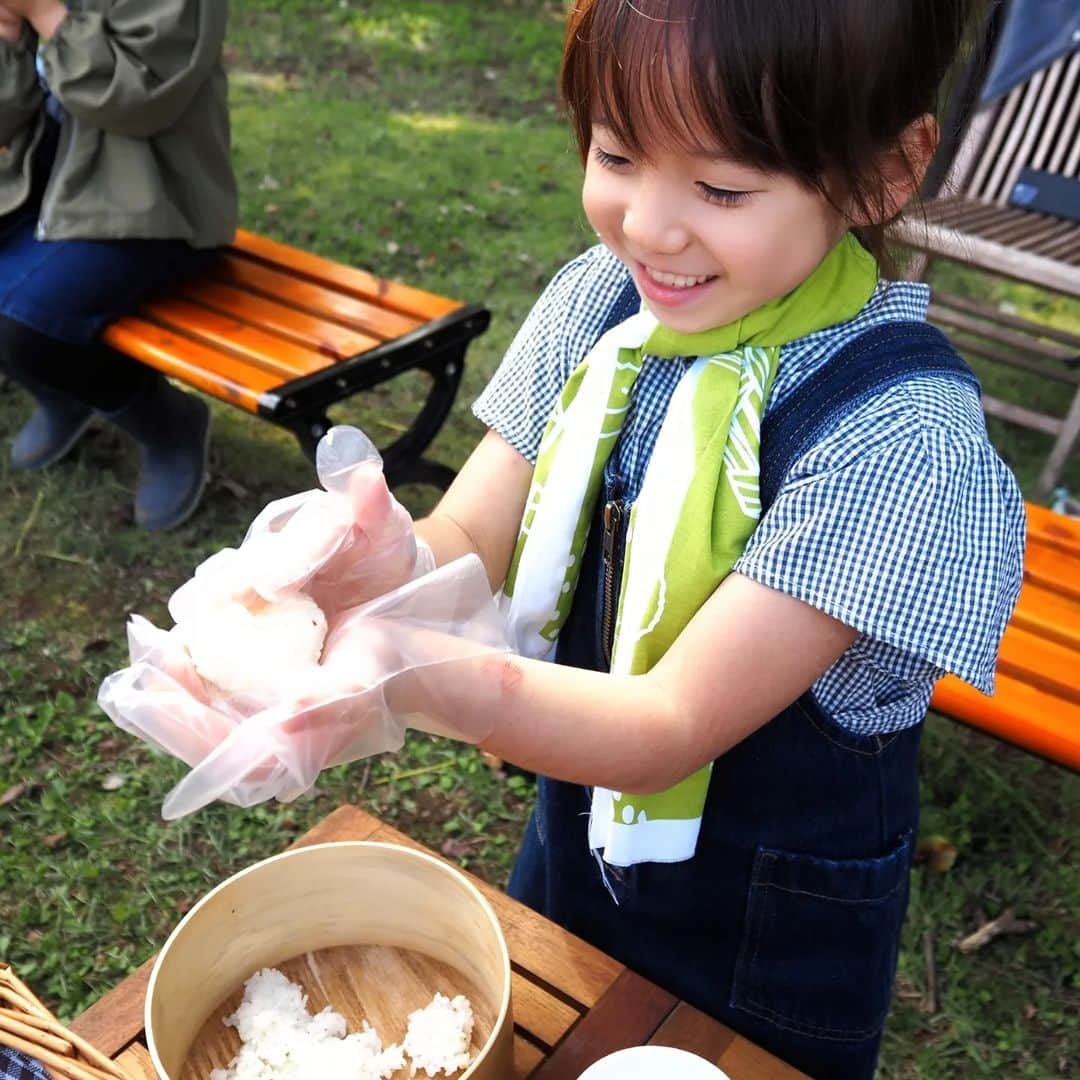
492 761
936 852
1005 923
54 839
12 793
459 849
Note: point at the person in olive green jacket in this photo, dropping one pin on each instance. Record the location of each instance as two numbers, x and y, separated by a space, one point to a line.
115 182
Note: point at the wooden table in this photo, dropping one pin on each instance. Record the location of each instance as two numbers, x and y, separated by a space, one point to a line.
572 1003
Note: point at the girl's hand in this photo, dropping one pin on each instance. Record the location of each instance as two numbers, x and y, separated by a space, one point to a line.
342 549
10 25
379 552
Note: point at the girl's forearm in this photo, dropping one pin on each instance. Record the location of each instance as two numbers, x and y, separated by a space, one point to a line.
481 511
448 540
746 655
624 733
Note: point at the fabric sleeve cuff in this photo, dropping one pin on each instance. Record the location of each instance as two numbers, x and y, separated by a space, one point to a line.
78 38
513 434
850 614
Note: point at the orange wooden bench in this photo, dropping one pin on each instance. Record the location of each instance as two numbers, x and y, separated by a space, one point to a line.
285 334
1037 703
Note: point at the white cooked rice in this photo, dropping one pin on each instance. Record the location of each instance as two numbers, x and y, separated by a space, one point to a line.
282 1041
438 1036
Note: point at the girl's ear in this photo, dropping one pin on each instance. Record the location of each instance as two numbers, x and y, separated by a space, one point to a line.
900 172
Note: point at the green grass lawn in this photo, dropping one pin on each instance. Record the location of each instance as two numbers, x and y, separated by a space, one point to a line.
420 138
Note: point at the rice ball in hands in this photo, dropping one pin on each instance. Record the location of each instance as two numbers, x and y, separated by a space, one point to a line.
245 647
255 650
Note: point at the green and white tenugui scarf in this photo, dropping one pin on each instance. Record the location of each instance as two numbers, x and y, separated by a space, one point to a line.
697 507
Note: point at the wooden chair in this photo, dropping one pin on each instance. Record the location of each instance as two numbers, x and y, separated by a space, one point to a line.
1036 126
1037 703
284 334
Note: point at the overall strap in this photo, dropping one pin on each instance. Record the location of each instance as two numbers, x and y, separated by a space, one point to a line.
872 362
627 303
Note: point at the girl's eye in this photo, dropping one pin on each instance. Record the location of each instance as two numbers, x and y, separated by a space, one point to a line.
609 161
723 196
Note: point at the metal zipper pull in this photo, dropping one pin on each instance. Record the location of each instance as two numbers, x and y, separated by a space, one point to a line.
613 516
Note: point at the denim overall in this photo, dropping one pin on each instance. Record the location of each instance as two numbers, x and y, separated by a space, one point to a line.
786 923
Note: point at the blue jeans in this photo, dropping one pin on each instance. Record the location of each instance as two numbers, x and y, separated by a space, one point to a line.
786 923
56 296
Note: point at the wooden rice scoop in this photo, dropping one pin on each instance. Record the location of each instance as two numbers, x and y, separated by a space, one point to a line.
27 1026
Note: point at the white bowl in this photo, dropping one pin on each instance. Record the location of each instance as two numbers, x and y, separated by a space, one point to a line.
653 1063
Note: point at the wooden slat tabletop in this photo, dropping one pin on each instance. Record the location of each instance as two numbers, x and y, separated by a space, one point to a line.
572 1003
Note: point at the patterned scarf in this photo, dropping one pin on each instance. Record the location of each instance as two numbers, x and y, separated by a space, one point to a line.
697 507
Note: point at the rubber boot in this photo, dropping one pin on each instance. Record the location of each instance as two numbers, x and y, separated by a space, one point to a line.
56 426
172 432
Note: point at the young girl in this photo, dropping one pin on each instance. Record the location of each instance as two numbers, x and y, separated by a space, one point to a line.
742 496
115 181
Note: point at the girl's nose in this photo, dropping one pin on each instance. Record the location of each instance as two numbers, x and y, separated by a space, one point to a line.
652 223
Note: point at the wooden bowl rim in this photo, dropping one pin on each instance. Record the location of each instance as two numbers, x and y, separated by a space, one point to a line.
408 852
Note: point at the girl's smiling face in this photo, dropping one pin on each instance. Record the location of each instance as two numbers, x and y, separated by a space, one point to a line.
706 238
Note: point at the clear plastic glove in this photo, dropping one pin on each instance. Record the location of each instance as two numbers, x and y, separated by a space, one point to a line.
343 545
340 545
248 747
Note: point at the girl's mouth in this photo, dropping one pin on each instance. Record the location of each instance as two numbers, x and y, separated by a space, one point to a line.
671 289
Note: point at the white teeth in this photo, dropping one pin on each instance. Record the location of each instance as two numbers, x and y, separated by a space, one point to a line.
675 281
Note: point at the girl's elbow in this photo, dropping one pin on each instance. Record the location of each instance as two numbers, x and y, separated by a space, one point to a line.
644 781
669 747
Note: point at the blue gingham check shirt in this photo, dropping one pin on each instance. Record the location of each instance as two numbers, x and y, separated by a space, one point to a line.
901 522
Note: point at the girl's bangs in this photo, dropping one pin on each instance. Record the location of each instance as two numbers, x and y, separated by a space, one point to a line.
649 70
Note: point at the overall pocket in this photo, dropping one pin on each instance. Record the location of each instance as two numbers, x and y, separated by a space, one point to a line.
820 940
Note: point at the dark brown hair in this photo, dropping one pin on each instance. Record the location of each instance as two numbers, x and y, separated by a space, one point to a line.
815 89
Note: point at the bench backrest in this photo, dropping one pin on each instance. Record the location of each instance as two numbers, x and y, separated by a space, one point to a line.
1036 125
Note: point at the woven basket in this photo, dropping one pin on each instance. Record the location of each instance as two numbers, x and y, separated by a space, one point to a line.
27 1026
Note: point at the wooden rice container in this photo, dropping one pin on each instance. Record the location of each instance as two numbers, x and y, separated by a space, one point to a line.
371 929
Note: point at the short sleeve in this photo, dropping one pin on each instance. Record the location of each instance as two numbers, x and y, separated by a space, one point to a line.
555 337
908 528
